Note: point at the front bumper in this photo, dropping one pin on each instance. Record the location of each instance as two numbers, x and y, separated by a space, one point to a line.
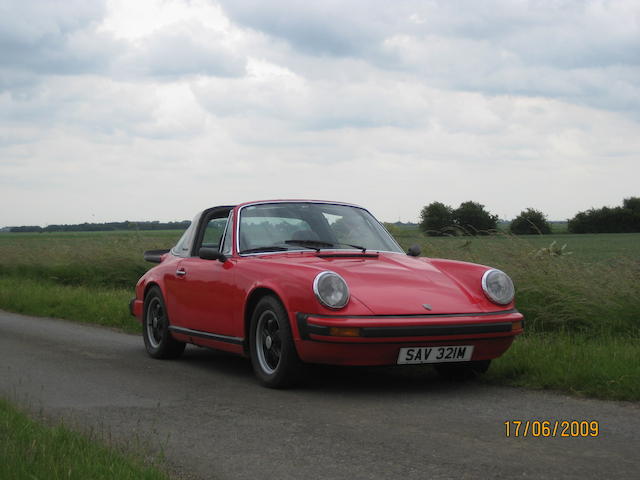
135 308
376 340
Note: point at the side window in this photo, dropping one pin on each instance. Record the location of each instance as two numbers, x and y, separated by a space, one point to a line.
213 232
227 245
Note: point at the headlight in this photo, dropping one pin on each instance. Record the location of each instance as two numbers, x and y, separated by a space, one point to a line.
498 287
331 290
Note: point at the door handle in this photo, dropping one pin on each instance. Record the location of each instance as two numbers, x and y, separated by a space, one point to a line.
181 272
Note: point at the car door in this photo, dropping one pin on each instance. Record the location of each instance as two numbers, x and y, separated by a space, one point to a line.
202 295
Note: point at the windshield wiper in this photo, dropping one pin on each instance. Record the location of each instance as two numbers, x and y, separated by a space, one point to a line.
313 244
271 248
322 244
358 247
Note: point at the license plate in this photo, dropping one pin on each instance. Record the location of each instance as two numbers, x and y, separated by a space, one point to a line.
453 353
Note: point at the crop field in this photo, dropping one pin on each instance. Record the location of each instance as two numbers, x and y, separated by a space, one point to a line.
580 295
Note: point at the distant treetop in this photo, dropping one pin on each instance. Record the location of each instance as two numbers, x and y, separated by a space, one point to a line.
470 217
104 227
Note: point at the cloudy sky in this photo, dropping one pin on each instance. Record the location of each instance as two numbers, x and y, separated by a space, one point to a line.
154 109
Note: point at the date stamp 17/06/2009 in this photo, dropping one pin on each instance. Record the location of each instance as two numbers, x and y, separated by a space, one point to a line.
552 428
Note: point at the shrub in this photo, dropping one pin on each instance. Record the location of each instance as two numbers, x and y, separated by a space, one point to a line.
471 216
530 221
435 218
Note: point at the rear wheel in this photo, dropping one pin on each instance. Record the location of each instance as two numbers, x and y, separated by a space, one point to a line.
273 354
155 328
462 370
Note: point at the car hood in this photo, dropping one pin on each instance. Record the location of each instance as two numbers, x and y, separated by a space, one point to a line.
396 284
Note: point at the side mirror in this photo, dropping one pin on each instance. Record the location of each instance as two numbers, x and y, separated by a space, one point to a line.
154 256
207 253
414 251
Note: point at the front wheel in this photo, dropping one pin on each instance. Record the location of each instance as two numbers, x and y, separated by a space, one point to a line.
155 328
462 370
273 354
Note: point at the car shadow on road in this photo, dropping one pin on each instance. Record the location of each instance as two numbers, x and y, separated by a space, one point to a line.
217 362
405 379
389 380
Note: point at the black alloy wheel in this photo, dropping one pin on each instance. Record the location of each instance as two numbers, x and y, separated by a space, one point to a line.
273 354
155 328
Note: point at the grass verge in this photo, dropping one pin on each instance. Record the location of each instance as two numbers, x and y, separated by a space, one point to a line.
602 367
30 450
87 304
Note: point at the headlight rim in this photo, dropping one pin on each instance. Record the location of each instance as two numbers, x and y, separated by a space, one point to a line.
322 301
488 293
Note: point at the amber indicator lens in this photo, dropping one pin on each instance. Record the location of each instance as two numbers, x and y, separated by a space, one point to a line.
344 332
517 325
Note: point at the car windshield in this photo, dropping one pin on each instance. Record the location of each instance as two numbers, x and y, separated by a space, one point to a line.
275 227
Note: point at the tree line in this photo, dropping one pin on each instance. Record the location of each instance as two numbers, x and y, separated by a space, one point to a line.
471 218
103 227
624 219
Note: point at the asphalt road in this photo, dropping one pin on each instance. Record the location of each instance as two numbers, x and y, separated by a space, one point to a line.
212 420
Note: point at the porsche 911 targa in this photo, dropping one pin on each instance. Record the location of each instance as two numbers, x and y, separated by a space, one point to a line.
289 282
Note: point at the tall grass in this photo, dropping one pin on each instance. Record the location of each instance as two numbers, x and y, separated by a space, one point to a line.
100 259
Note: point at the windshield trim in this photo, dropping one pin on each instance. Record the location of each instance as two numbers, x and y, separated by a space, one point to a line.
349 250
319 202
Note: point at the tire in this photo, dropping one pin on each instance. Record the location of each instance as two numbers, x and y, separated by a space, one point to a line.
273 354
155 328
462 370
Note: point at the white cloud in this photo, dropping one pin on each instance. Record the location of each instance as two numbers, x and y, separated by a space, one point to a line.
136 20
154 109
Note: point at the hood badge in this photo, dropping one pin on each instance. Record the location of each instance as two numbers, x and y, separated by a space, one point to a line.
427 306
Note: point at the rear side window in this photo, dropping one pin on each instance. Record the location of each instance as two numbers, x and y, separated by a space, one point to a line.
213 225
213 232
227 248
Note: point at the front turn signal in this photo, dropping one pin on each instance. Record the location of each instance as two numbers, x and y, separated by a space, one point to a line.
344 332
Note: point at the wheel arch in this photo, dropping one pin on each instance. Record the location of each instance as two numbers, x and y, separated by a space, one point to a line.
252 300
148 287
145 293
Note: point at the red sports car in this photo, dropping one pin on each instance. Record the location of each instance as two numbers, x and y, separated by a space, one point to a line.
289 282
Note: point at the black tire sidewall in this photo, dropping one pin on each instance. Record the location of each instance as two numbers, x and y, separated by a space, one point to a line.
288 369
168 346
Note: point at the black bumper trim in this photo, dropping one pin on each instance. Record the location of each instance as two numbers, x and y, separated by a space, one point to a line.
306 329
435 330
207 335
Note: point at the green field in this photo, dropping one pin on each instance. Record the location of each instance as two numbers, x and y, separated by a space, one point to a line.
580 295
